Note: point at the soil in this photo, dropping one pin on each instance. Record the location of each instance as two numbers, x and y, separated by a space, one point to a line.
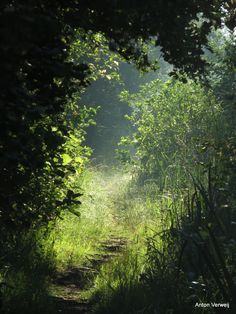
69 284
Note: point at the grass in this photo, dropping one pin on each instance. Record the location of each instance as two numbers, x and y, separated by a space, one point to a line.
117 288
123 286
158 271
162 268
29 261
77 238
112 207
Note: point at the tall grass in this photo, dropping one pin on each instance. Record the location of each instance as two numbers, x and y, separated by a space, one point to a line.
112 207
76 239
27 265
180 257
185 153
117 288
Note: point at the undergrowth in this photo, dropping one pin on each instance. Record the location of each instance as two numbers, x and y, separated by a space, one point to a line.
113 206
28 263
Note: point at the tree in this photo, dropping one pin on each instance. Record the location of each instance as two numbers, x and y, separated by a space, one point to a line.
37 77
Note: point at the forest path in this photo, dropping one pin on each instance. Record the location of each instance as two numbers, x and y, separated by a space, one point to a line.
70 284
101 210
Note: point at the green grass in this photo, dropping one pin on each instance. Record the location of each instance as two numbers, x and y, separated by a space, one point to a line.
28 263
113 206
145 275
117 288
77 238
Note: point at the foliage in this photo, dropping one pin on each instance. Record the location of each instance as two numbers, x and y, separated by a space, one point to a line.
36 79
184 140
38 75
175 126
41 82
128 25
221 66
24 273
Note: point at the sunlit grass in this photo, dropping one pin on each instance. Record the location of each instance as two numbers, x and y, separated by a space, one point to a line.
114 206
77 238
118 284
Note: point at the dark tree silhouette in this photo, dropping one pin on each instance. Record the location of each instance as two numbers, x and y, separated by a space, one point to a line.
37 78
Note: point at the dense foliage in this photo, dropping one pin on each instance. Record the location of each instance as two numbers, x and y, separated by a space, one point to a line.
185 142
38 77
174 123
50 51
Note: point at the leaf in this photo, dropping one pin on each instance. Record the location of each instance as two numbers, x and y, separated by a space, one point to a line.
66 159
79 160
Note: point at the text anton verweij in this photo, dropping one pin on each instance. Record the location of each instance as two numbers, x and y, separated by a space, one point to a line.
212 304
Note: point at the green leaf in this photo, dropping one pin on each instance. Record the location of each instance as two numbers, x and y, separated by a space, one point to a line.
66 159
79 160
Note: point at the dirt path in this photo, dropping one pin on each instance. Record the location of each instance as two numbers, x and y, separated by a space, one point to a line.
69 285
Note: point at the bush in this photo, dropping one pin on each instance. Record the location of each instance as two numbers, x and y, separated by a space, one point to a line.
176 125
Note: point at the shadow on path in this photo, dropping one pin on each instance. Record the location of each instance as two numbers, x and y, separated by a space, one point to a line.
70 283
